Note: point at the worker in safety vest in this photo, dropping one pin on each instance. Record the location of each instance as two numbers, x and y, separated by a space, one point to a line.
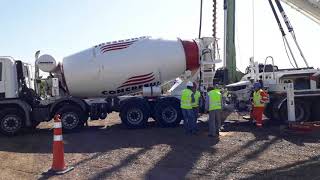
260 98
195 104
214 105
187 98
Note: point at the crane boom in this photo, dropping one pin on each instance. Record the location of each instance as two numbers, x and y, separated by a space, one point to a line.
310 8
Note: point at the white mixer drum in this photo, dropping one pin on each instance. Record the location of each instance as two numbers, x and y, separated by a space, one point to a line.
123 67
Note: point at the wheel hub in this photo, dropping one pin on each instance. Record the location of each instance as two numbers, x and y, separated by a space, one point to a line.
169 114
70 120
11 123
135 116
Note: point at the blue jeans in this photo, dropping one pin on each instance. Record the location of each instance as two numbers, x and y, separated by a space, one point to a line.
188 120
196 115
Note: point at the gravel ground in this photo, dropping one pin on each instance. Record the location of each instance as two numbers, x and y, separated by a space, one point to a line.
106 150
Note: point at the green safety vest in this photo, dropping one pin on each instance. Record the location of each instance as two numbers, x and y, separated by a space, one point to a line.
196 99
214 100
186 100
257 99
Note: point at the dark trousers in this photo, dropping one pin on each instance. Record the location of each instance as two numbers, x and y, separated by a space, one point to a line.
214 122
188 119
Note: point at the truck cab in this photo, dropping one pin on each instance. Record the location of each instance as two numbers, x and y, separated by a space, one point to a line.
8 78
16 95
13 75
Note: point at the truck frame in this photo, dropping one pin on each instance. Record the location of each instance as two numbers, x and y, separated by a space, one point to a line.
25 102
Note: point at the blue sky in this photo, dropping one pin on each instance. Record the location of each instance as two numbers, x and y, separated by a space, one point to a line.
63 27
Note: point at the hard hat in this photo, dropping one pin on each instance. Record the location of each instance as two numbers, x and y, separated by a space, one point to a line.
256 85
189 84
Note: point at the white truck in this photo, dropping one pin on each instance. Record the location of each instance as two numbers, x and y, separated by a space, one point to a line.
303 98
99 80
306 85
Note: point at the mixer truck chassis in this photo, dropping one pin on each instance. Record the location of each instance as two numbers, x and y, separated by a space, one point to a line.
92 83
134 112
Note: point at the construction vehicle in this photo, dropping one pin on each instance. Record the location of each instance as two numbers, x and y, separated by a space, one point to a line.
102 79
305 81
99 80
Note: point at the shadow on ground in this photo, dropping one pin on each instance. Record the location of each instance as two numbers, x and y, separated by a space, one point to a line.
308 169
272 129
184 152
177 163
94 139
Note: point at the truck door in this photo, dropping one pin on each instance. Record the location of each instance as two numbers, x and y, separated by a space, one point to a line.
2 88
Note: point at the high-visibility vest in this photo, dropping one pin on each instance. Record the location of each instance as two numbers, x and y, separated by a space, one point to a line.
259 98
186 99
196 99
214 100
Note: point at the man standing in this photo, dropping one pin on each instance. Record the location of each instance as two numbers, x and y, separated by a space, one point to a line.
186 107
260 97
195 105
214 105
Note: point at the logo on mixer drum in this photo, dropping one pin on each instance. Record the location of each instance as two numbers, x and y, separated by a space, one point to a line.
134 83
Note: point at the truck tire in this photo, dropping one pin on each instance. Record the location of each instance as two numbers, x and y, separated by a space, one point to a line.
34 125
315 111
134 113
271 111
168 112
11 121
72 117
302 111
268 111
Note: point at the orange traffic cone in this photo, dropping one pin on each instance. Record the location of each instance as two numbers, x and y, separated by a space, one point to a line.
58 165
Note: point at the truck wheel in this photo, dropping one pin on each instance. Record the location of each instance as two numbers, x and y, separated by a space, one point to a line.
72 117
134 114
315 111
11 121
302 111
168 113
268 110
34 125
272 113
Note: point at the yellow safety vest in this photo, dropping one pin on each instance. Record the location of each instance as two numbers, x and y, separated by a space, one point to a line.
186 100
257 99
196 99
214 100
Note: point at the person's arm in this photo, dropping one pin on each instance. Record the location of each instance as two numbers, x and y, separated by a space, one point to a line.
264 97
207 103
221 101
192 98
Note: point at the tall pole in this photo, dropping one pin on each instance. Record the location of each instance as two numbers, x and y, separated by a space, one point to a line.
200 22
36 74
214 27
290 29
230 41
225 7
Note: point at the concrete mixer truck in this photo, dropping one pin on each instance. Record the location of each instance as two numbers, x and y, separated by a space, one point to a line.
99 80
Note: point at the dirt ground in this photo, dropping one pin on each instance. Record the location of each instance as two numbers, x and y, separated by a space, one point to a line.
106 150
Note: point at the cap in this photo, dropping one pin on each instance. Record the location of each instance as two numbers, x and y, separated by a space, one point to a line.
189 84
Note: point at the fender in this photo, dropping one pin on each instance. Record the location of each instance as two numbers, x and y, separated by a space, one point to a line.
70 99
134 98
23 105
